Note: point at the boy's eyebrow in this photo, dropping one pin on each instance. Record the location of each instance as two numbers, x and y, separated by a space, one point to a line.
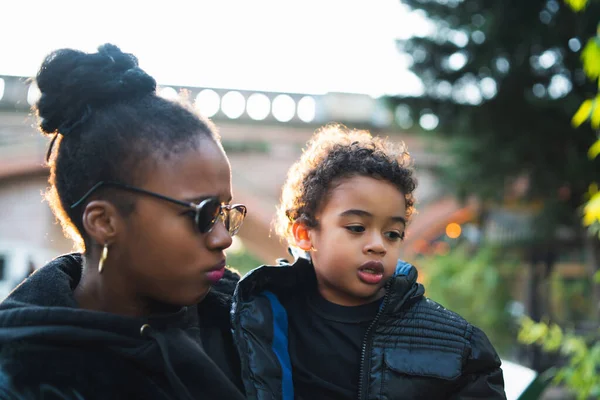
363 213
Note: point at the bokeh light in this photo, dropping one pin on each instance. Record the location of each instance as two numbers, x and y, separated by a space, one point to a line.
453 230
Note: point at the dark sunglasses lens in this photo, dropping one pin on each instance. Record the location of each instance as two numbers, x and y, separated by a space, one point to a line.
207 214
235 219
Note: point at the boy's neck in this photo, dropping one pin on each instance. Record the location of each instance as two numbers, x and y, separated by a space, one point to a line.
335 296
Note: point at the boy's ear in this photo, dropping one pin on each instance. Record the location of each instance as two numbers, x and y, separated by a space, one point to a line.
301 236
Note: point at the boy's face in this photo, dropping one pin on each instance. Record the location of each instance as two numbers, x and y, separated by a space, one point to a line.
357 242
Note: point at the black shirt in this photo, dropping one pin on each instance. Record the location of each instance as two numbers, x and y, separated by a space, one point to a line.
325 345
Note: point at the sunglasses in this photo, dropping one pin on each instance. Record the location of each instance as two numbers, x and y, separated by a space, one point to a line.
206 213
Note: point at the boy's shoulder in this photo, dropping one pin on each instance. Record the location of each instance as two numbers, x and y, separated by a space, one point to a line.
426 308
281 277
429 320
426 338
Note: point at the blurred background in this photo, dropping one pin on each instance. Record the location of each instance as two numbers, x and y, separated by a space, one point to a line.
497 102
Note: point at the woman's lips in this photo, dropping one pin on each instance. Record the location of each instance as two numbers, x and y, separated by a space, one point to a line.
217 273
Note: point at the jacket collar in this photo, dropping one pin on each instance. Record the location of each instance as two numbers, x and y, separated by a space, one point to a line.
402 287
276 278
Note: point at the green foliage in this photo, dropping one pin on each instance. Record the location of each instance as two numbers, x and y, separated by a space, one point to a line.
595 149
242 261
591 58
592 210
590 110
584 112
475 284
569 298
580 374
500 106
577 5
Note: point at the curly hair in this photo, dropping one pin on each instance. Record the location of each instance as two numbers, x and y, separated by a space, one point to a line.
335 153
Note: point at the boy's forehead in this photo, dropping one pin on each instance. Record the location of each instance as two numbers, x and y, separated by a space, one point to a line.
365 193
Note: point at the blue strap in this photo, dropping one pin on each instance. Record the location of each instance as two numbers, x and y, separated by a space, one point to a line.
280 345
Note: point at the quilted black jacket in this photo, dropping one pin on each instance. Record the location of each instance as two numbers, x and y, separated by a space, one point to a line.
414 348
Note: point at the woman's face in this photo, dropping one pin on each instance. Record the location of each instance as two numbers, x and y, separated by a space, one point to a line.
163 256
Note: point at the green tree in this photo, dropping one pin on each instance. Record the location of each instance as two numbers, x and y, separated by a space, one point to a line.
580 374
504 79
589 110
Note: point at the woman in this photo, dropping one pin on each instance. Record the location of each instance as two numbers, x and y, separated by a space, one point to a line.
144 185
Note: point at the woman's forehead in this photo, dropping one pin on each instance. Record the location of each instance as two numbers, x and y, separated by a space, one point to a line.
196 172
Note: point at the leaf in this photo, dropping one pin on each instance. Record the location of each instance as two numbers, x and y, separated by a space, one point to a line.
594 230
577 5
560 376
594 149
554 339
538 332
591 58
575 347
595 119
592 210
524 335
583 113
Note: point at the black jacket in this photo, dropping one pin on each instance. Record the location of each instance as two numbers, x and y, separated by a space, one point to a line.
414 349
51 349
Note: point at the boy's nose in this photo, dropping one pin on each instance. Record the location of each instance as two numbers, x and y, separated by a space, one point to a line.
375 246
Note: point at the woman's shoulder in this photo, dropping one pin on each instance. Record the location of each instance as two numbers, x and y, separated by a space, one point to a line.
34 370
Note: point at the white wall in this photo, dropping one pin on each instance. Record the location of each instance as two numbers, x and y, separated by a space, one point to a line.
29 233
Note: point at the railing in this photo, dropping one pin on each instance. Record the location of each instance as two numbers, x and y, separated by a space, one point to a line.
19 93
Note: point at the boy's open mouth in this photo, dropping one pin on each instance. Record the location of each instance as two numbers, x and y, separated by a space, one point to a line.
371 272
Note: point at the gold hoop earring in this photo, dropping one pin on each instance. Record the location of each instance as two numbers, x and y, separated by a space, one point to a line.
103 258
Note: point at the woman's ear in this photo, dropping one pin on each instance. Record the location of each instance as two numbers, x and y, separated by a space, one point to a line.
301 236
101 221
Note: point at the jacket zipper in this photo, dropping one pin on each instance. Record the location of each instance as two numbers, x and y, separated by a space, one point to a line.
366 347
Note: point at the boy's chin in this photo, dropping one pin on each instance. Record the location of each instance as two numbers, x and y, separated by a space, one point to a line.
368 296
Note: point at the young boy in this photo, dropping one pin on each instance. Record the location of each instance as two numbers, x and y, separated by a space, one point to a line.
348 320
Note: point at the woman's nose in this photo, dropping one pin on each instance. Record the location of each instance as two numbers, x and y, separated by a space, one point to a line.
219 238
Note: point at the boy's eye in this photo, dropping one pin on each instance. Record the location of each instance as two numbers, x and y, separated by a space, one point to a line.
356 228
395 235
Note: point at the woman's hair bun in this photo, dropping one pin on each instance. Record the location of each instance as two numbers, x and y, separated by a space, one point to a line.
73 84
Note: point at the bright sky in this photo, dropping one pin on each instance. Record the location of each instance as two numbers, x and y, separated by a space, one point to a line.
304 46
